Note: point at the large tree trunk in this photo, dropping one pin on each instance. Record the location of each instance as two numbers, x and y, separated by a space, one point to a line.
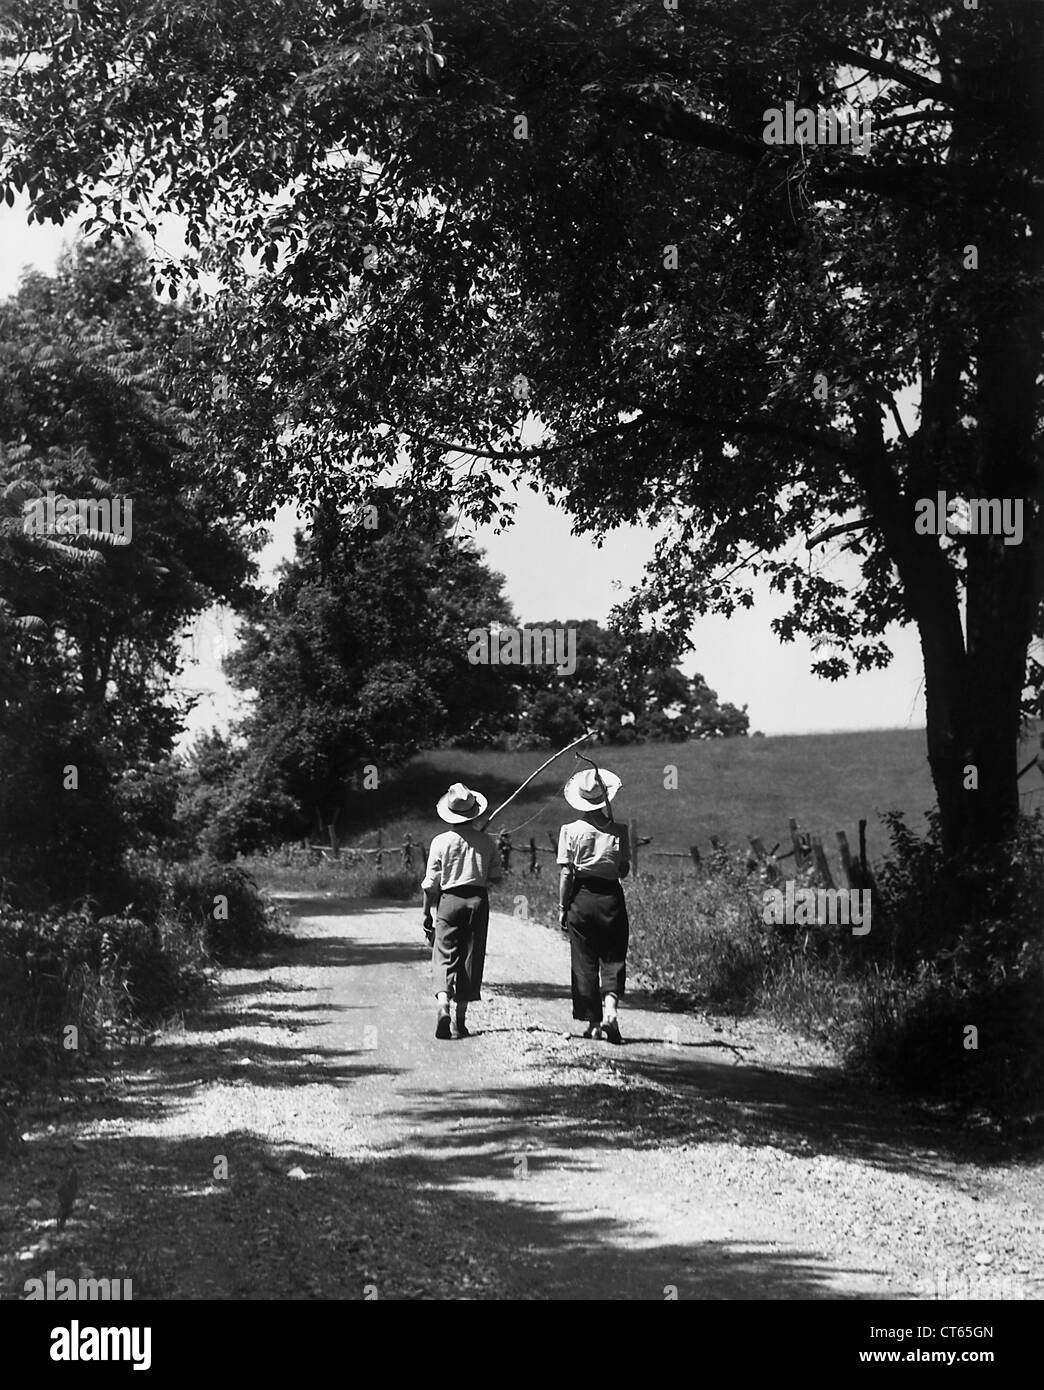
974 681
974 672
973 715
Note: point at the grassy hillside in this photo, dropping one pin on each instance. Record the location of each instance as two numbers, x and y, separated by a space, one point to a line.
731 788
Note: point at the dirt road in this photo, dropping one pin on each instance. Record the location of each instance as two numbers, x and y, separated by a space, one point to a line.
307 1137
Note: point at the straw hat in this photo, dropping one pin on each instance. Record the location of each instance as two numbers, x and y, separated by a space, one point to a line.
461 804
583 792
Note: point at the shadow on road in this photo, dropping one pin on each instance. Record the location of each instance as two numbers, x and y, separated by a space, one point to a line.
306 905
400 1219
342 1229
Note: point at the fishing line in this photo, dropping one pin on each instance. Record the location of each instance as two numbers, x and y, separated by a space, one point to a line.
601 786
555 795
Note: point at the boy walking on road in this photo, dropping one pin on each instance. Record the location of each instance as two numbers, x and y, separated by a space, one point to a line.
461 862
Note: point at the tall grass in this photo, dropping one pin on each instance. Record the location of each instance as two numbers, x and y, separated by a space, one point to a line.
293 868
110 976
729 788
700 938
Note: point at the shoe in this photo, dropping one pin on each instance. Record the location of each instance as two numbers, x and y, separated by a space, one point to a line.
442 1028
463 1031
593 1030
611 1031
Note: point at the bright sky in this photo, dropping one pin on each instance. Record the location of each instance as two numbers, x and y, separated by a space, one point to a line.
551 574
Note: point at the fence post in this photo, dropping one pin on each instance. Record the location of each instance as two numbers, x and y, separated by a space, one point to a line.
800 857
820 859
331 831
532 855
846 860
380 856
758 858
632 831
864 870
694 854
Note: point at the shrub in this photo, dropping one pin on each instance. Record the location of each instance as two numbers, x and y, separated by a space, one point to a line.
103 975
111 968
223 902
400 885
914 1034
981 933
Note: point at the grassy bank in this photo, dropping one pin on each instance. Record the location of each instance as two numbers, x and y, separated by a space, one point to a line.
75 981
732 789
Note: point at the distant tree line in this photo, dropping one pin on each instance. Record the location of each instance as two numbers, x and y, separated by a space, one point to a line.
359 659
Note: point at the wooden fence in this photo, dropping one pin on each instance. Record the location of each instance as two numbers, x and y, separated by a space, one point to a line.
806 850
1031 798
411 853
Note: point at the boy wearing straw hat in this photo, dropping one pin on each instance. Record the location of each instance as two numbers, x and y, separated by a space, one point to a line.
461 862
594 855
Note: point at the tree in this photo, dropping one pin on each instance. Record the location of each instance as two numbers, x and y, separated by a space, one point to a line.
470 214
93 602
627 688
230 803
360 659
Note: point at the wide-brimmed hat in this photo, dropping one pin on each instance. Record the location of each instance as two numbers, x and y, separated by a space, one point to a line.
460 804
583 792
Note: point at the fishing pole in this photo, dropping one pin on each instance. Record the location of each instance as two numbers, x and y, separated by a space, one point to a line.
601 786
569 746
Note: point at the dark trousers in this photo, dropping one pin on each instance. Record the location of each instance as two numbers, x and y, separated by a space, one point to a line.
598 937
458 957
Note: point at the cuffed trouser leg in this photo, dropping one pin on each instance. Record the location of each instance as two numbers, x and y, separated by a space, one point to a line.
587 998
459 956
599 933
612 967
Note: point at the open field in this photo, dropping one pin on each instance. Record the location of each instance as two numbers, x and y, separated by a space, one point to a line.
731 788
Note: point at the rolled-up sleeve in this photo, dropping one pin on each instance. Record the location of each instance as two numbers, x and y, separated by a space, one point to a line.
494 874
566 849
625 845
433 873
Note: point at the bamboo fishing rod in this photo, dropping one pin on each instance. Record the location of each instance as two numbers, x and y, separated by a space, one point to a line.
568 748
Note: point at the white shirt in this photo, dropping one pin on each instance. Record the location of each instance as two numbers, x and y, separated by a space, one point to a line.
593 852
461 857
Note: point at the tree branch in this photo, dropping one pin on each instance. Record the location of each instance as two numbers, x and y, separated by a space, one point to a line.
513 455
911 118
748 425
754 425
924 86
838 530
916 184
